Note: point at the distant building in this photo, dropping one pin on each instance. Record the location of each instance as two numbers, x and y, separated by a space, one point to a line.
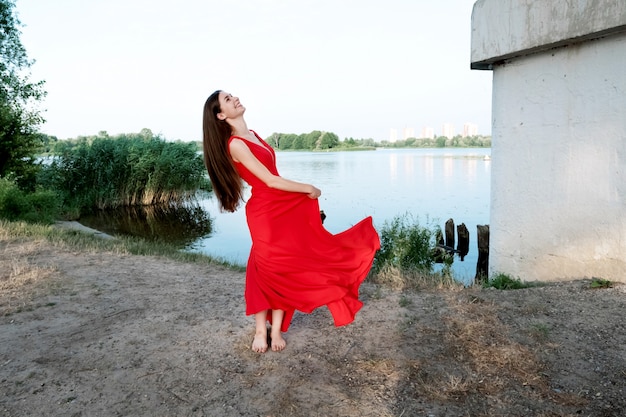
470 129
447 130
408 132
428 133
393 135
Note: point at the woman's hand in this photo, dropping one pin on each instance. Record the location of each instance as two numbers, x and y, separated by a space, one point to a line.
314 193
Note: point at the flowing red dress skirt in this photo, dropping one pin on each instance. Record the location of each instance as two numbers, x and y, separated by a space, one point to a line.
295 263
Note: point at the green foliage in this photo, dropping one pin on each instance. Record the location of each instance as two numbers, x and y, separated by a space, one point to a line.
35 207
502 281
318 140
18 146
47 143
442 142
16 88
600 283
405 245
315 140
19 116
405 301
327 140
126 170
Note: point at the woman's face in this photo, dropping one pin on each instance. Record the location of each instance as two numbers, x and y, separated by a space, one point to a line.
230 106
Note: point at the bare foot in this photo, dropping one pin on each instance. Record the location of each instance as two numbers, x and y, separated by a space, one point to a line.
278 343
259 344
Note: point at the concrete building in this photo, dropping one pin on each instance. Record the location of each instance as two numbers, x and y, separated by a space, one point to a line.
428 133
558 191
447 130
469 129
393 135
408 132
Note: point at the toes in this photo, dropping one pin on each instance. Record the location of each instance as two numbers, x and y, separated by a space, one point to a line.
259 344
278 345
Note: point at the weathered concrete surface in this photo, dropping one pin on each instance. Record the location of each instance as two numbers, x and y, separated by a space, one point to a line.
558 195
504 29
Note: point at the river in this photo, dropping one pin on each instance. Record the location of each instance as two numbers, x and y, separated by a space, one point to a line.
433 185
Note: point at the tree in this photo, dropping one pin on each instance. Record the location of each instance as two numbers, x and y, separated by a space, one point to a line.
19 116
310 139
274 140
328 140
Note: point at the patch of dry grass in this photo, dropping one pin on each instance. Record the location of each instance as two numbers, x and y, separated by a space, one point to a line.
21 279
478 338
484 361
400 279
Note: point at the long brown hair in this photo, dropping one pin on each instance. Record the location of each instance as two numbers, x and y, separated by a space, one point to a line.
226 181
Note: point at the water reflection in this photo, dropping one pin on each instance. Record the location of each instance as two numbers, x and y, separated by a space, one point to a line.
177 224
393 167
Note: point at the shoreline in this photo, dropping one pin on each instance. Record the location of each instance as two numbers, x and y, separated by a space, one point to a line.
74 225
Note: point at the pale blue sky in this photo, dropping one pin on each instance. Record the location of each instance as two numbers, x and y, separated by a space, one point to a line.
354 67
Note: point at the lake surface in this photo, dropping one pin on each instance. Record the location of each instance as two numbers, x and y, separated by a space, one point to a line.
433 185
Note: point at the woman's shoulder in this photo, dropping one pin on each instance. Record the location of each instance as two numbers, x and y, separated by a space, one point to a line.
237 141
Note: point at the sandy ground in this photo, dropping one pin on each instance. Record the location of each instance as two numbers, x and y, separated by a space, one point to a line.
106 334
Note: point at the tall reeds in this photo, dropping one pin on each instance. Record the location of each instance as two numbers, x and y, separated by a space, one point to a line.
127 170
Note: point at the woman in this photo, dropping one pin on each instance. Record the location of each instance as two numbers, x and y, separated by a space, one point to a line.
294 263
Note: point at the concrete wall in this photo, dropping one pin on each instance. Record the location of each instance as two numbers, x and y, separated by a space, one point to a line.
503 29
558 194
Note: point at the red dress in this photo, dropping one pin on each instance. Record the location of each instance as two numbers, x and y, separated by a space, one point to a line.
295 263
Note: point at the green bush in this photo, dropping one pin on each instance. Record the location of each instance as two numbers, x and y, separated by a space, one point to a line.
600 283
405 245
505 282
41 206
126 170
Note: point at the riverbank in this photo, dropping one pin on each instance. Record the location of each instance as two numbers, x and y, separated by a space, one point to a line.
86 332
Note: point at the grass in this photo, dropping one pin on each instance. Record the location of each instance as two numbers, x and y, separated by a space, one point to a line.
480 344
539 331
404 262
476 358
600 283
503 281
22 281
408 250
405 244
393 277
405 301
84 241
413 279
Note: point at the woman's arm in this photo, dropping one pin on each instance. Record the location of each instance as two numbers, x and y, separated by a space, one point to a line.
242 154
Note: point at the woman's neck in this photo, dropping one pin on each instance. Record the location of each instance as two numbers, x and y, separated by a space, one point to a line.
239 127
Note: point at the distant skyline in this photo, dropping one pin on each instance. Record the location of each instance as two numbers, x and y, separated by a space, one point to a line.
352 67
429 132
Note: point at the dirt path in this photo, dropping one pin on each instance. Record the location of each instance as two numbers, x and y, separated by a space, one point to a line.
105 334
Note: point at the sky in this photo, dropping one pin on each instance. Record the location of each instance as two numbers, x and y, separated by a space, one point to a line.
358 68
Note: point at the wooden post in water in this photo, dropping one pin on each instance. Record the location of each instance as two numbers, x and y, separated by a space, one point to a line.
439 251
440 240
450 234
482 266
463 246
